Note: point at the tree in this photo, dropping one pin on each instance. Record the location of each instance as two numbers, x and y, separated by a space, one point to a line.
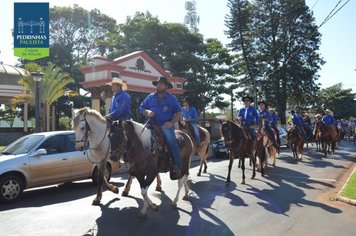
205 65
52 87
340 101
9 115
279 41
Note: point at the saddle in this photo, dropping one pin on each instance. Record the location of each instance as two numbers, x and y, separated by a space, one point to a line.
160 149
191 132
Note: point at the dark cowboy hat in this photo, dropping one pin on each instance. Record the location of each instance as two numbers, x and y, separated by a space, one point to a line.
162 80
263 102
247 98
292 111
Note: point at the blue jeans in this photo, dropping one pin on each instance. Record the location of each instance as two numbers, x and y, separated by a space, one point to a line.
172 144
196 133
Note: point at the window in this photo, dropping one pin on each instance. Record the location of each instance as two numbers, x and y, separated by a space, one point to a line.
71 143
179 85
54 144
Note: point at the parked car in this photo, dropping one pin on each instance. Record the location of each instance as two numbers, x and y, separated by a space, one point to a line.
44 159
283 136
219 149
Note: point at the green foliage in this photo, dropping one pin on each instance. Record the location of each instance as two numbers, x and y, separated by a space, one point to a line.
279 42
9 115
64 123
205 65
340 101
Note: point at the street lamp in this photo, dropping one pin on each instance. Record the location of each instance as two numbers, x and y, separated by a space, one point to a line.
203 99
37 77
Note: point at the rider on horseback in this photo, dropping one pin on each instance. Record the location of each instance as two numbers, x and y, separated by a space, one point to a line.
191 116
266 118
329 119
273 121
249 116
120 101
298 121
164 110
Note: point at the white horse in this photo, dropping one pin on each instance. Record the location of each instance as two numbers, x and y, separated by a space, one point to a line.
91 134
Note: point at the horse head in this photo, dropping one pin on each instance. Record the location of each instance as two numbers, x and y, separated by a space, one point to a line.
81 128
231 132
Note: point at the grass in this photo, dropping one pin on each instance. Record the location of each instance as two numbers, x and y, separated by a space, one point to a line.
350 189
1 147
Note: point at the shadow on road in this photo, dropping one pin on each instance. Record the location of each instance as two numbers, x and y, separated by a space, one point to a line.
286 190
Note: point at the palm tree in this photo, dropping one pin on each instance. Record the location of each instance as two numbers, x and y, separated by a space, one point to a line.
52 87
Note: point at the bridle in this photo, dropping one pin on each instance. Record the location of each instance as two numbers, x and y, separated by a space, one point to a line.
85 140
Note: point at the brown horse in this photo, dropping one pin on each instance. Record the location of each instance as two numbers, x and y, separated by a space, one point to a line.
296 141
328 136
148 155
203 148
238 146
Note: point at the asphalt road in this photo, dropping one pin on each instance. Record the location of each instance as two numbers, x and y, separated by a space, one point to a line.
284 202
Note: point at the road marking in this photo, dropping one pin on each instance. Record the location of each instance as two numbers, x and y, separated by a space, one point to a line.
298 177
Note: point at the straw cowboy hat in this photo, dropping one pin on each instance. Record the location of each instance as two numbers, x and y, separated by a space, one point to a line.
162 80
271 109
327 110
118 81
317 115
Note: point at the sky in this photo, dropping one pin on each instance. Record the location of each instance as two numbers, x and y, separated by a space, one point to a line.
338 42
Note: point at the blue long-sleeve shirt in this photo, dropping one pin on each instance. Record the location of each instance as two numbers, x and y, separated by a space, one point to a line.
329 120
297 120
120 106
273 118
249 116
164 109
190 114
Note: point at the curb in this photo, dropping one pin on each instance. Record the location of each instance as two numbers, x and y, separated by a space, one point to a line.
346 199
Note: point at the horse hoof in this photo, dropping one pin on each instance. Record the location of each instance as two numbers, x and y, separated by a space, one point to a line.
199 174
243 182
204 171
154 207
116 190
125 193
252 177
159 189
96 202
173 205
185 198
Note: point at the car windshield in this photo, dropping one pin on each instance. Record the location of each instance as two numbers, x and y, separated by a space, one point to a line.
22 145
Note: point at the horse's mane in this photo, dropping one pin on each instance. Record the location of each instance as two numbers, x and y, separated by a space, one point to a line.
235 129
88 111
134 130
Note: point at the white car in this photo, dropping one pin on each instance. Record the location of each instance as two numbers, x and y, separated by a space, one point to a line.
42 159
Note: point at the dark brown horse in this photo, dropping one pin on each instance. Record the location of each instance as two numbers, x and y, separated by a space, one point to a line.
239 146
203 147
148 155
295 141
328 136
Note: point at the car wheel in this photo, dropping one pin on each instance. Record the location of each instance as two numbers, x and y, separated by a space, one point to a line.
11 188
107 174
